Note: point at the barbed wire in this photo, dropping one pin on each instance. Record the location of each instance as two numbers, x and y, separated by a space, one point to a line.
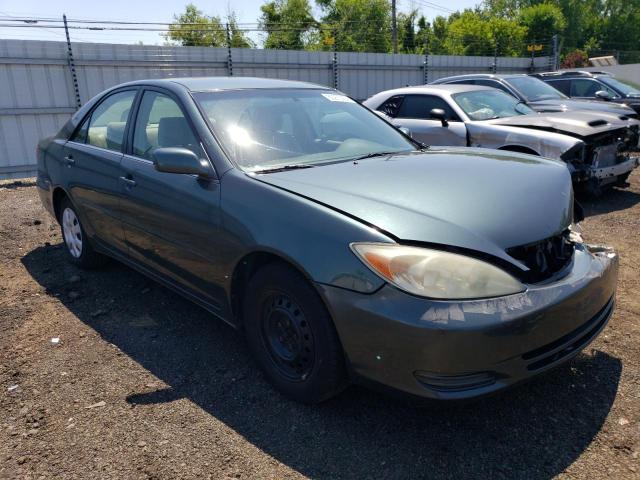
379 41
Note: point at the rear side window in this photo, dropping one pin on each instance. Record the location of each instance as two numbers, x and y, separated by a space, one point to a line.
420 106
563 85
106 125
391 106
161 123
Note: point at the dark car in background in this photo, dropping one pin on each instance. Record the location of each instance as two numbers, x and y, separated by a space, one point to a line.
601 86
535 93
343 249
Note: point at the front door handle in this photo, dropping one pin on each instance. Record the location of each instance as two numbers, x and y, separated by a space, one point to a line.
128 182
69 161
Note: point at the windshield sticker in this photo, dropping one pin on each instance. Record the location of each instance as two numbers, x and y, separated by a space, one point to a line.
337 98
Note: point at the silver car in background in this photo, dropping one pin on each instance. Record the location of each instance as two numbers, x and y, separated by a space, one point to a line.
596 146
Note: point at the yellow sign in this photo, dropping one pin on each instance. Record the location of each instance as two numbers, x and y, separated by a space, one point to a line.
534 48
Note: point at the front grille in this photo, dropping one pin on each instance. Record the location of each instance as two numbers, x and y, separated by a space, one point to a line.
569 343
544 258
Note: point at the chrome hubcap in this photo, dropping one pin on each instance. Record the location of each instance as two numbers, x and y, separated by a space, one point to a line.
72 232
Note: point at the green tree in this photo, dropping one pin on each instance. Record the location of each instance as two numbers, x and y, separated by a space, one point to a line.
194 28
360 25
287 23
407 33
440 33
542 22
473 33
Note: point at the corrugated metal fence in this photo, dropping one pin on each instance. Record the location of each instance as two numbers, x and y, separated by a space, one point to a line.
37 93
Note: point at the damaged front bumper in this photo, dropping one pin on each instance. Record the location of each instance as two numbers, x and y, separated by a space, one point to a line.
617 170
464 349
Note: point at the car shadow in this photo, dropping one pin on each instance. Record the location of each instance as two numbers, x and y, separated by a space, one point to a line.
535 430
612 200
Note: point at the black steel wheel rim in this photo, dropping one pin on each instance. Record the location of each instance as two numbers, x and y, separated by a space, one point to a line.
287 337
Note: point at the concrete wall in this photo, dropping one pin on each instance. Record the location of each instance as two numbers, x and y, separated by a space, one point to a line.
37 94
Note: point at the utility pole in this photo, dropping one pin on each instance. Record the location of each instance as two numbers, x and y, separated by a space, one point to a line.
71 63
394 26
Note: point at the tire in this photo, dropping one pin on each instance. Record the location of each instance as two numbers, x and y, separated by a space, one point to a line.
623 180
292 336
79 250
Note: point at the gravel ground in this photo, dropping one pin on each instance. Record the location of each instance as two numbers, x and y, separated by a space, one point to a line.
143 384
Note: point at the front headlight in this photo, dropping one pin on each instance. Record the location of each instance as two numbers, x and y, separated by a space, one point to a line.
434 273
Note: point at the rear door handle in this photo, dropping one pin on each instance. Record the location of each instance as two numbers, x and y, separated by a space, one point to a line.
128 182
69 161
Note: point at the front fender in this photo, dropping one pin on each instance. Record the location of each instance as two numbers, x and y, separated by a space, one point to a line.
546 144
258 217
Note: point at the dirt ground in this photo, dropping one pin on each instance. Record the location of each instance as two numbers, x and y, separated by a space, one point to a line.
144 384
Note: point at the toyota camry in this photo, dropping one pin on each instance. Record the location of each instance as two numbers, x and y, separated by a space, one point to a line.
340 247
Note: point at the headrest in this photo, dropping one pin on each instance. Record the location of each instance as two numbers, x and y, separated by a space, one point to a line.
115 135
174 132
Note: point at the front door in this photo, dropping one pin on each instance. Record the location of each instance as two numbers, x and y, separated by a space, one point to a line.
414 114
93 157
170 220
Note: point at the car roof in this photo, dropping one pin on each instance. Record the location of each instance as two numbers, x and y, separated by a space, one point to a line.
201 84
573 73
471 76
433 89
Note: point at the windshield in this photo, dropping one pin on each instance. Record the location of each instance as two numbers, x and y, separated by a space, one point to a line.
263 129
488 104
622 87
534 89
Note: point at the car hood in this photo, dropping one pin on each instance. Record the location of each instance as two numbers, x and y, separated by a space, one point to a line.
561 105
576 123
478 199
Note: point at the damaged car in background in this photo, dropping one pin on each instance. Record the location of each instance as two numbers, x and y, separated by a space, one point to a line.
596 146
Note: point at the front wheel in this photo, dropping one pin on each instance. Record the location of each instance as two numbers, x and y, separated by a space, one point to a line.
79 250
292 336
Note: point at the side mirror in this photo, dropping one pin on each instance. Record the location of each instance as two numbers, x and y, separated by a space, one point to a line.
181 160
406 131
439 114
604 95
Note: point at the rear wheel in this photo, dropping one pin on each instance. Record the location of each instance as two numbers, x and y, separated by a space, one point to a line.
292 336
79 250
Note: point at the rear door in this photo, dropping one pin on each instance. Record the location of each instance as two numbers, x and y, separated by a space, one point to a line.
414 113
92 160
170 220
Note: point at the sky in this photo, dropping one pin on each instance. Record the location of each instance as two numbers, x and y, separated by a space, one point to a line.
247 11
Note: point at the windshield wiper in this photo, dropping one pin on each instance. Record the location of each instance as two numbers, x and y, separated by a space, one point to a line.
375 154
283 168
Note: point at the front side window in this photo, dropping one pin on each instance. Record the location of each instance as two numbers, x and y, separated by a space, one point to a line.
621 86
106 125
262 129
489 104
534 90
161 123
420 106
586 87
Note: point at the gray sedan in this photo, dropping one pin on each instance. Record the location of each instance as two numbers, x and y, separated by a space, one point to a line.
341 248
596 146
